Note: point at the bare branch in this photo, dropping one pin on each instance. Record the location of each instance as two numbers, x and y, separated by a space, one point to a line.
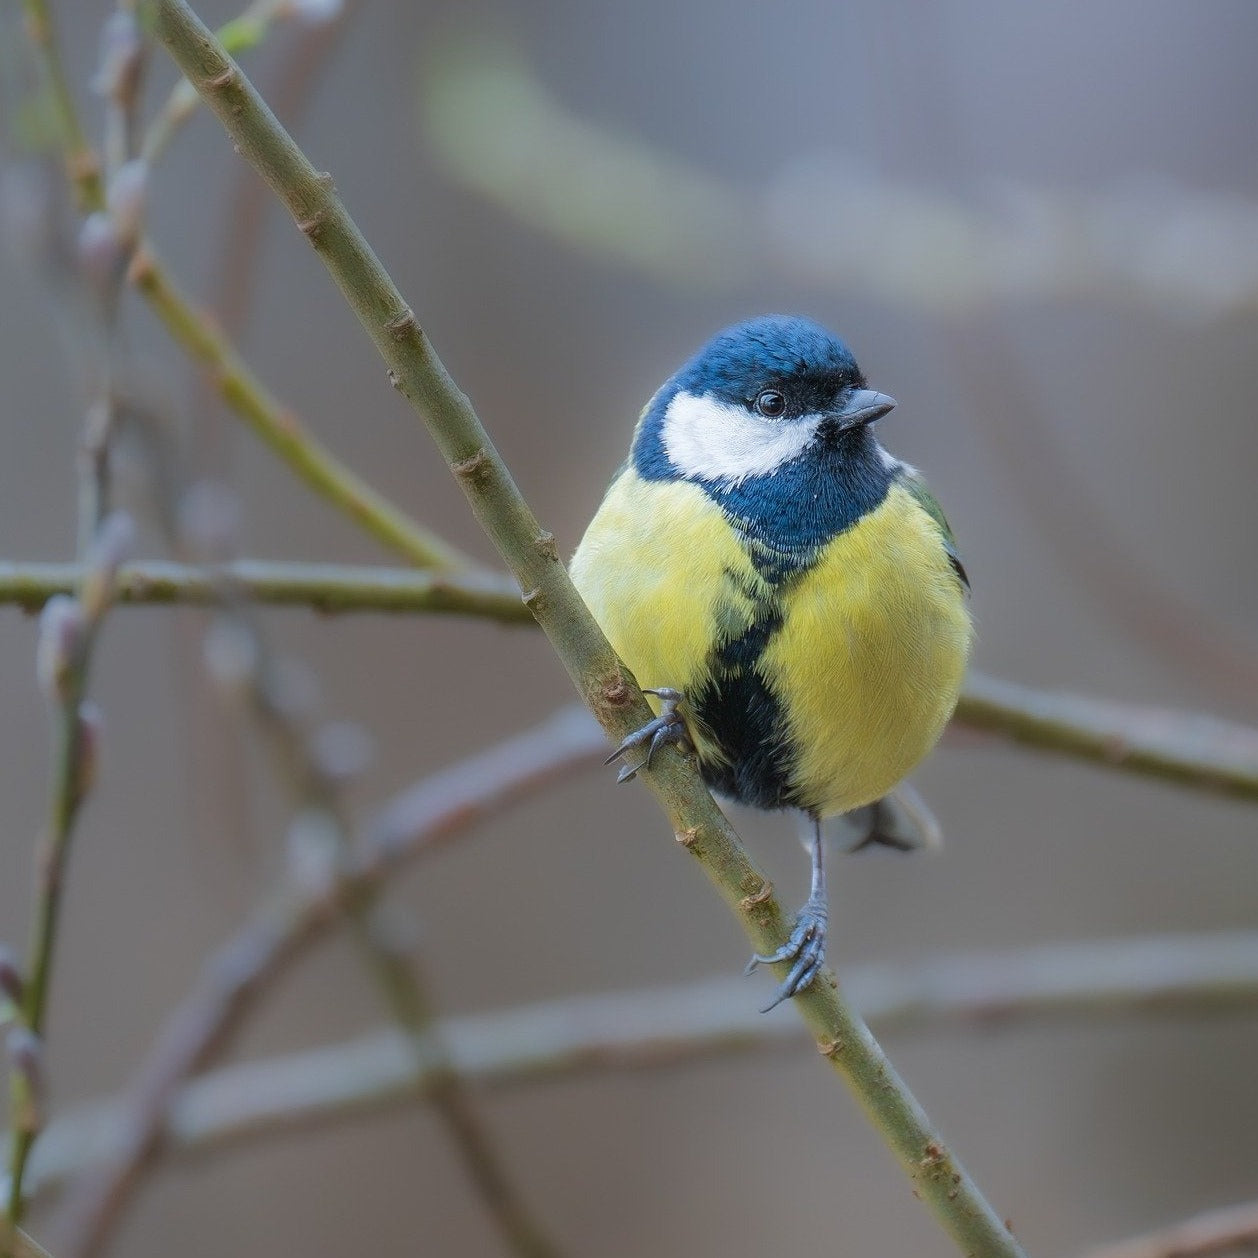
1188 749
320 843
533 558
1231 1230
436 810
82 164
17 1243
1166 976
322 587
280 427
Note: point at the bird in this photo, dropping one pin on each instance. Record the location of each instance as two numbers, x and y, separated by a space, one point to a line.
788 591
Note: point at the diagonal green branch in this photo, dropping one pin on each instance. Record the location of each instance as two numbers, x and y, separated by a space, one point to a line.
196 332
82 164
533 558
279 427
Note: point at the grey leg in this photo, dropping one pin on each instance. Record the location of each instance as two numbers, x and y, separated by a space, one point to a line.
807 945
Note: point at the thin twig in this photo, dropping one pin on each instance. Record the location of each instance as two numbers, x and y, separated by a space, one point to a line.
321 827
17 1243
1188 749
533 558
1185 748
1230 1230
67 638
82 164
436 810
68 635
240 34
1166 976
322 587
432 1061
280 428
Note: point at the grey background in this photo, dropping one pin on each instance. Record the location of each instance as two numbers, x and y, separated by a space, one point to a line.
1078 1133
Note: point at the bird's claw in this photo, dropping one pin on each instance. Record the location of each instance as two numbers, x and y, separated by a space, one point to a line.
668 727
806 948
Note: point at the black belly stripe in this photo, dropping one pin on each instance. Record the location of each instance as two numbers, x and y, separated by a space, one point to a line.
744 718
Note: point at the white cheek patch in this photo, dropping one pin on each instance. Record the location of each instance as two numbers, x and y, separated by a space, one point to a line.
713 441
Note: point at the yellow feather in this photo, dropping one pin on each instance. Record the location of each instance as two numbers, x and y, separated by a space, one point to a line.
869 662
866 666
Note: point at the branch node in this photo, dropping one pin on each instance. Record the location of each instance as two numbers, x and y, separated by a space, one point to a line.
831 1048
614 692
545 545
753 901
140 270
532 599
83 165
312 227
403 326
688 837
472 469
219 81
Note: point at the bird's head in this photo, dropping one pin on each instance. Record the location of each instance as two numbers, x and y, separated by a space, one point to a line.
758 397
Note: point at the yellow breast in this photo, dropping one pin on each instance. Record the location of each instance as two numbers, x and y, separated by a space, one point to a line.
866 666
656 567
869 661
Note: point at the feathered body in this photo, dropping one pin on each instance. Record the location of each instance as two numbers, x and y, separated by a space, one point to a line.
795 581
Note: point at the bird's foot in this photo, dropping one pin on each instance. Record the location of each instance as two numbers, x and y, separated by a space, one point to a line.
806 948
668 727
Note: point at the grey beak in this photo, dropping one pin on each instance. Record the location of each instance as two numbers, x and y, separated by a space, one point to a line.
862 407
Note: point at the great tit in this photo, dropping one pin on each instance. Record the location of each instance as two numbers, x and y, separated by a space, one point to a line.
789 591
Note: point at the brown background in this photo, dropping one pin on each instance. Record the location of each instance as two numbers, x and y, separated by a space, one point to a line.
1079 1132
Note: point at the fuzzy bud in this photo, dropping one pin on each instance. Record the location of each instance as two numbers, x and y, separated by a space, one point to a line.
291 690
100 252
61 633
209 521
313 852
111 548
231 654
121 59
91 728
125 196
26 1056
341 750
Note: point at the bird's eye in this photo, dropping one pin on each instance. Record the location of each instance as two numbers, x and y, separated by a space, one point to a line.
771 403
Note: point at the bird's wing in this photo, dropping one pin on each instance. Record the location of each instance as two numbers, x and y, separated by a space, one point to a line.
914 483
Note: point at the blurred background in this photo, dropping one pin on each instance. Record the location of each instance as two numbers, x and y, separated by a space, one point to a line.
1037 226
